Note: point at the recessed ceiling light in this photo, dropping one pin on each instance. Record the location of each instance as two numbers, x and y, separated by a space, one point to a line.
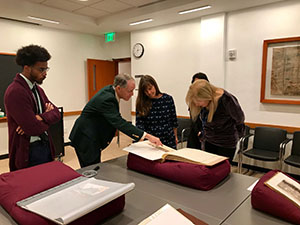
140 22
42 19
194 10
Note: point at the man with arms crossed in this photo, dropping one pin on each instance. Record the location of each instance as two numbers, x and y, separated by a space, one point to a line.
99 120
29 112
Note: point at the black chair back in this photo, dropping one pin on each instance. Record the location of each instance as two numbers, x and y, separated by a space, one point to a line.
296 144
268 138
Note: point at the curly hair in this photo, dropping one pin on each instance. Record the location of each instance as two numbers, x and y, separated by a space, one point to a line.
31 54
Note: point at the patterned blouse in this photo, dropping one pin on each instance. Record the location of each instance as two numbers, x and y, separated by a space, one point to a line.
161 120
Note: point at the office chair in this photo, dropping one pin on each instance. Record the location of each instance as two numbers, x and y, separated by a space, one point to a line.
267 145
294 158
183 130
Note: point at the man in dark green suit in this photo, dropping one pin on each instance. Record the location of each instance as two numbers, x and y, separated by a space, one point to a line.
99 120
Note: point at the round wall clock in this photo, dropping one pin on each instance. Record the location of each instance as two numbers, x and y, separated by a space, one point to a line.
138 50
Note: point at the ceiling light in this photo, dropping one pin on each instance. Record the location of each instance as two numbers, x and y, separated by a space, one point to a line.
140 22
194 10
42 19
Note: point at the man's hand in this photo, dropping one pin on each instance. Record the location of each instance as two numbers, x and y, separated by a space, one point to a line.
49 107
153 139
19 130
38 118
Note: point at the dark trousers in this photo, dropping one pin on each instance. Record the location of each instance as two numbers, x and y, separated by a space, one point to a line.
227 152
83 161
39 152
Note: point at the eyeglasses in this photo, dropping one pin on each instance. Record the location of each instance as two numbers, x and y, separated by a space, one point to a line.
42 70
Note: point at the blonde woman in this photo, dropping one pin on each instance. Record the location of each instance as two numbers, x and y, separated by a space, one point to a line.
221 117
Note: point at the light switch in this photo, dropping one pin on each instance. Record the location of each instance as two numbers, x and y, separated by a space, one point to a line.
232 54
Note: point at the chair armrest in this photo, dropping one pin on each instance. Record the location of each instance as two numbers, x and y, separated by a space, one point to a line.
242 140
183 131
282 147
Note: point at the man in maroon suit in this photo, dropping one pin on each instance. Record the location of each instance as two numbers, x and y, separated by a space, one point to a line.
29 112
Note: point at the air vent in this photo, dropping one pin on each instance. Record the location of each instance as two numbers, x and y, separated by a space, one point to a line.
20 21
152 3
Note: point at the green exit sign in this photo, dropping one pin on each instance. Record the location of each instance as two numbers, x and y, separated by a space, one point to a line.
110 37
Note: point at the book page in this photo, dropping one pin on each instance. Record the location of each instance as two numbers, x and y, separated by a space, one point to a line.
146 150
70 203
194 156
166 215
285 186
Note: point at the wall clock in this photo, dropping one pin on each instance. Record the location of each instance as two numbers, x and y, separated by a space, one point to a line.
138 50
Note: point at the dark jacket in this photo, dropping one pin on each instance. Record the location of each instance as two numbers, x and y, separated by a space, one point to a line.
21 110
227 125
97 125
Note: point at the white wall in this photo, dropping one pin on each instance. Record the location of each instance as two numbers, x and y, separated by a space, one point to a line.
246 31
66 83
125 106
174 53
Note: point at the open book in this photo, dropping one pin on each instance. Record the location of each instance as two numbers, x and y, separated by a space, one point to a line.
146 150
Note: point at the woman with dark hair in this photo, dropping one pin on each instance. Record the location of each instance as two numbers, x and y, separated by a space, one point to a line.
155 112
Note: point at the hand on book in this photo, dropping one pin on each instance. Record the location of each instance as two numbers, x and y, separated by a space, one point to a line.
153 139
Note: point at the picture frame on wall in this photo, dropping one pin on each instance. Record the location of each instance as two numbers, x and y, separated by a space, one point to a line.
280 83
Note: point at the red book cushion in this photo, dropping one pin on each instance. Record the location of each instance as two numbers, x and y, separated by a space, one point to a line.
188 174
267 200
20 184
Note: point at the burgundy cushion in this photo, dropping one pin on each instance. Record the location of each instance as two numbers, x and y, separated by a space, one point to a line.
20 184
188 174
265 199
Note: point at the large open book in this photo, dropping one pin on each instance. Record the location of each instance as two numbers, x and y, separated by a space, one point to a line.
148 151
73 199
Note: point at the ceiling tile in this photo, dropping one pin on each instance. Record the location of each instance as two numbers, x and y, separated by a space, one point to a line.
87 11
111 6
63 4
139 2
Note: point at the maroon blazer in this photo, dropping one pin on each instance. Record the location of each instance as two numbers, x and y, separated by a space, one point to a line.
21 110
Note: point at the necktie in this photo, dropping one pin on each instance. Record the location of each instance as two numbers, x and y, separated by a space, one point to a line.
35 93
44 135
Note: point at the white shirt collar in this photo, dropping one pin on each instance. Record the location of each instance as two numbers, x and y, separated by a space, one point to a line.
117 97
30 84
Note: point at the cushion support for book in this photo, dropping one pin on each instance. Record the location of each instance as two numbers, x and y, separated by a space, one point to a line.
188 174
267 200
20 184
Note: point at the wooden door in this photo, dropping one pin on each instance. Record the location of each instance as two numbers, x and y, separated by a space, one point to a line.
100 73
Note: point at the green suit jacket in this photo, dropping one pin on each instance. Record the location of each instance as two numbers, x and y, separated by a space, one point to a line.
97 124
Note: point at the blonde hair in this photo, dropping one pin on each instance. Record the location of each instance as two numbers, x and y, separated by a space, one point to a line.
202 90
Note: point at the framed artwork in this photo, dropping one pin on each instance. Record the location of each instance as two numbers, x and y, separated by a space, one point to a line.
280 81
